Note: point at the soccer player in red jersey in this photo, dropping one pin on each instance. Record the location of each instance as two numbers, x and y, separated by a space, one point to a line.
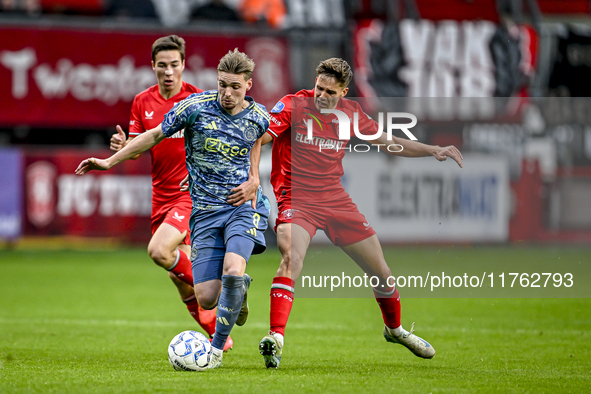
306 178
169 246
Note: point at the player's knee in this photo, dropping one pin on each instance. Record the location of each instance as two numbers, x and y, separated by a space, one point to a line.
159 255
234 271
207 295
207 301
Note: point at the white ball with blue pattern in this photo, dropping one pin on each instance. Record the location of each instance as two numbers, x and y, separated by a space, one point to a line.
189 351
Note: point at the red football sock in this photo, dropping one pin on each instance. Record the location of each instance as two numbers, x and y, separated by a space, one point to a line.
205 318
281 302
389 302
182 268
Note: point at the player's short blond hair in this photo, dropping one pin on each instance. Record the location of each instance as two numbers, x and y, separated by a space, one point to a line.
168 43
236 62
336 68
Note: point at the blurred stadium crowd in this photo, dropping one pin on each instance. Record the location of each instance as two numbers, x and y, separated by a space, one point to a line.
299 13
173 13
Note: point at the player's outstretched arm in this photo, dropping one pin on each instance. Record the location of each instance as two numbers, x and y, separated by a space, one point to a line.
90 164
417 149
248 190
136 146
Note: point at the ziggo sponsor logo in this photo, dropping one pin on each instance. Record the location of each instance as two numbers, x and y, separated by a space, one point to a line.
216 145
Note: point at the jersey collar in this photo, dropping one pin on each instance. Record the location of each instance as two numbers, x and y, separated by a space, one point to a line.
239 114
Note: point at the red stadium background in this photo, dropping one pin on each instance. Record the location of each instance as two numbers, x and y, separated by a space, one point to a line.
60 77
114 204
64 80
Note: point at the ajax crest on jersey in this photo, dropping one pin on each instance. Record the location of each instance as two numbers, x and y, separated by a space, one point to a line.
250 134
189 351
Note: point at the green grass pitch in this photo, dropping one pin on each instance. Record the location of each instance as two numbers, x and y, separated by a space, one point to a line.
100 321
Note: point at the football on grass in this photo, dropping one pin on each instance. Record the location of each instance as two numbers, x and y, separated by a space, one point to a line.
189 351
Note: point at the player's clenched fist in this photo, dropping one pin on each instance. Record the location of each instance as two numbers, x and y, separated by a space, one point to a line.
92 164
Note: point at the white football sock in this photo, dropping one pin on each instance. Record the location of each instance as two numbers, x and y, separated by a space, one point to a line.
398 331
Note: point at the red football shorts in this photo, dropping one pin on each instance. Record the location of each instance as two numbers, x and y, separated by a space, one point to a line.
176 213
338 216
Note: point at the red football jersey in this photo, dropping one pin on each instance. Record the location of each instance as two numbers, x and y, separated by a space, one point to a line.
310 164
280 127
168 157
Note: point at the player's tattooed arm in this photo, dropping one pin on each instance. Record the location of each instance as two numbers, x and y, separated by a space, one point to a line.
138 145
247 191
411 148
